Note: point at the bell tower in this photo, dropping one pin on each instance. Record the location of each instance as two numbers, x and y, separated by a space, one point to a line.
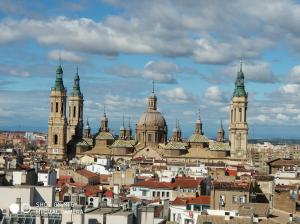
238 127
75 121
57 122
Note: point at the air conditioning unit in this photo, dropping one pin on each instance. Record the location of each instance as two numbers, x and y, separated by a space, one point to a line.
93 202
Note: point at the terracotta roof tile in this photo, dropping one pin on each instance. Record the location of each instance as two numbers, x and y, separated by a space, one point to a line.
86 173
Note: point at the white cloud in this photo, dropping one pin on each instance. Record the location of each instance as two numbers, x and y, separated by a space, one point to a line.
65 56
178 95
189 113
14 71
214 94
255 71
282 117
261 118
159 71
289 89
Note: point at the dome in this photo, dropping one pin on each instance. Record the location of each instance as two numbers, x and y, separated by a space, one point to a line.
152 118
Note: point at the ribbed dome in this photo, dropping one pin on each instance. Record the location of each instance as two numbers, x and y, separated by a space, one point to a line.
152 118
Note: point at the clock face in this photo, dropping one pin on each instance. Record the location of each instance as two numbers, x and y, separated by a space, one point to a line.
55 151
56 130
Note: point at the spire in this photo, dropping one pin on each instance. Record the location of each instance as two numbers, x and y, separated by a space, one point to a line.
104 121
76 87
177 132
153 86
221 129
128 130
239 90
59 85
87 129
199 117
221 133
152 100
87 122
104 112
241 65
198 125
123 123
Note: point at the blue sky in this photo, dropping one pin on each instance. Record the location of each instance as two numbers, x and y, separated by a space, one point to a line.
191 49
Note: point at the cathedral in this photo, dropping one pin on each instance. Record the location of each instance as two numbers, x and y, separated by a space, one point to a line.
68 137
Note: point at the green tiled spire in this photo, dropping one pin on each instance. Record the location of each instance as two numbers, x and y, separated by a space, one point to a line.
76 87
239 90
59 84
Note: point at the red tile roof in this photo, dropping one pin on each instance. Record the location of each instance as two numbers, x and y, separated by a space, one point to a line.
202 199
154 185
86 173
92 190
179 182
109 194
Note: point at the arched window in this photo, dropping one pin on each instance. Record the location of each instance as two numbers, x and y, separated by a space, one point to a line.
56 107
74 111
55 139
149 138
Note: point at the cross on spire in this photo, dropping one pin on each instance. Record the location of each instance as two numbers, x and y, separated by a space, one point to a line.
199 113
241 64
152 86
104 110
59 58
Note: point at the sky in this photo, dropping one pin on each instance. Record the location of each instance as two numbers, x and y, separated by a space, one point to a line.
190 48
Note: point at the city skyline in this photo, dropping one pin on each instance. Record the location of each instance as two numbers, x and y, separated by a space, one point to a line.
192 52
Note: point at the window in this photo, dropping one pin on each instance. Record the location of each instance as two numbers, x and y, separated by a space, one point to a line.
197 207
163 194
158 194
144 193
242 199
241 115
79 113
51 107
74 111
153 194
149 138
234 115
62 108
55 140
56 107
222 200
204 207
234 199
188 207
168 194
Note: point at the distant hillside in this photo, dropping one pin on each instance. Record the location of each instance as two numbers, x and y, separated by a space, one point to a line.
276 141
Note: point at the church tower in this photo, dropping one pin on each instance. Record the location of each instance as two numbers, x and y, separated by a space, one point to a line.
122 134
75 121
221 134
238 127
198 125
104 122
177 132
57 123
